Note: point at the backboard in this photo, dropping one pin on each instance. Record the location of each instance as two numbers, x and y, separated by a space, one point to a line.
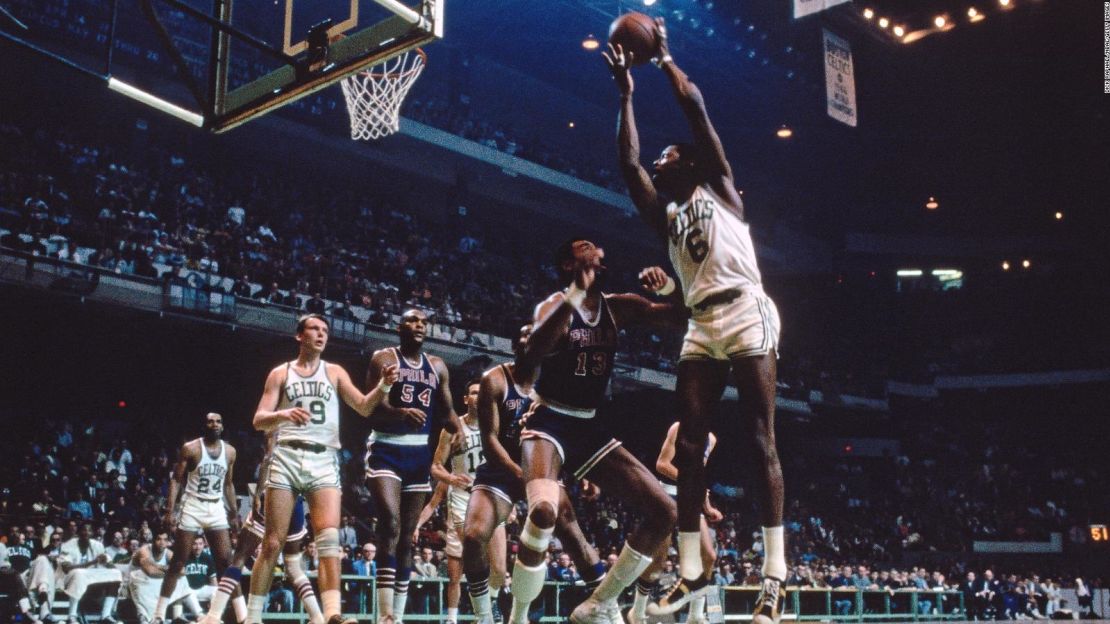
220 63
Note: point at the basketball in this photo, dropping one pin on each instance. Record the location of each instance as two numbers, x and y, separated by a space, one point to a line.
635 33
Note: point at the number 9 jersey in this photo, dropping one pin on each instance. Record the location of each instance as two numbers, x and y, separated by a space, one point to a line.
315 394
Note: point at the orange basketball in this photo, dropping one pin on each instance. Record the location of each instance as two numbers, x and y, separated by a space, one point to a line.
636 33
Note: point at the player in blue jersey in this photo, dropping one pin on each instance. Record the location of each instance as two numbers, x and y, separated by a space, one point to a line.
573 345
498 485
399 453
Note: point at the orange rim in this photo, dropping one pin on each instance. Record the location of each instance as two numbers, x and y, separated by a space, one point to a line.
394 75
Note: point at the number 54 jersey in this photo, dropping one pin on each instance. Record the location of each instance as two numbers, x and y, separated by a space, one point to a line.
399 450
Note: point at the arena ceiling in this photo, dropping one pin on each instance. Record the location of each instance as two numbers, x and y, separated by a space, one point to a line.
1001 119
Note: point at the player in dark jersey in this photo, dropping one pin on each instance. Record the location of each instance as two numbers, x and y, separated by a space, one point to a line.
573 344
502 399
399 453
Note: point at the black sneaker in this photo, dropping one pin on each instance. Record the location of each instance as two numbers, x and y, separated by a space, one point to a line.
768 606
679 595
339 619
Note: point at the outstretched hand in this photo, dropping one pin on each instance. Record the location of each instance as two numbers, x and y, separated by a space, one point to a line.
619 63
663 52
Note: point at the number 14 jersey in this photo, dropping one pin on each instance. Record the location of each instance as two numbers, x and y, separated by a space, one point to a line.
710 247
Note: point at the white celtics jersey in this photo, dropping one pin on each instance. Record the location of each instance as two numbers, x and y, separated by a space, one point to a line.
316 395
710 247
206 480
467 459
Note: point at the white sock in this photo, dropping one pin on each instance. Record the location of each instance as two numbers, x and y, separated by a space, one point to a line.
192 604
774 549
108 607
385 601
629 566
400 599
24 606
303 588
639 605
219 599
254 609
697 609
481 605
689 555
527 584
160 608
330 601
239 606
452 614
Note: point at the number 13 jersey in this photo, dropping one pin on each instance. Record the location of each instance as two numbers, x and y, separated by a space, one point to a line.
710 247
315 394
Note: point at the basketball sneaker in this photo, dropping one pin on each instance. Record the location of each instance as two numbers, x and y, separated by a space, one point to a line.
768 606
679 595
590 611
339 619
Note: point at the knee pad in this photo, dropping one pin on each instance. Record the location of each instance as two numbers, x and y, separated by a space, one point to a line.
327 543
540 491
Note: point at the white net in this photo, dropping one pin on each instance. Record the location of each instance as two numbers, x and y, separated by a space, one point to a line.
374 95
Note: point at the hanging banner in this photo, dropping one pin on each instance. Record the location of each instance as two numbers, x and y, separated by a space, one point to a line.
803 8
840 81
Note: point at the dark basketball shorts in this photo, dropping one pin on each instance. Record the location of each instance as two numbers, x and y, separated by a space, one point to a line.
256 519
581 442
499 481
409 464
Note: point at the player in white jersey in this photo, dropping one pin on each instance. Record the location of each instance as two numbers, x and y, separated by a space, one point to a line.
204 466
464 461
300 409
692 203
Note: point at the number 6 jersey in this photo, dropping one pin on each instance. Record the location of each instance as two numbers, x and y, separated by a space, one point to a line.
316 395
710 247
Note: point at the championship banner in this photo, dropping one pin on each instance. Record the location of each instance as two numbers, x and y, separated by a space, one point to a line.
840 82
803 8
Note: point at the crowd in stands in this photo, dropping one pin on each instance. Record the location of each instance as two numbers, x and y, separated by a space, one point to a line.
858 534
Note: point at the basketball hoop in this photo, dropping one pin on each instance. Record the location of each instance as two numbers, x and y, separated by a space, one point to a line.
374 95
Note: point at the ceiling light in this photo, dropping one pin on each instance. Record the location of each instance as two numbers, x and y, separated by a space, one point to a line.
932 203
940 21
899 31
784 132
868 14
590 43
883 22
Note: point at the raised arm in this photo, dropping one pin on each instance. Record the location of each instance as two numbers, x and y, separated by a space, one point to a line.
690 100
267 416
364 404
491 391
640 187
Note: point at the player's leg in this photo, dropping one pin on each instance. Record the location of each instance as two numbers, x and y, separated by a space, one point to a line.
324 512
569 532
293 553
483 514
411 504
454 587
646 583
228 588
620 473
700 385
708 562
540 462
182 546
755 383
386 494
498 552
279 504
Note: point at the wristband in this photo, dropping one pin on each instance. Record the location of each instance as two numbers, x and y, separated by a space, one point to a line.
659 62
385 388
575 295
667 288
